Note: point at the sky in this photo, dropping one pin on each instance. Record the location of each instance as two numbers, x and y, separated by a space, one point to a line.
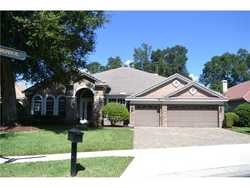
204 34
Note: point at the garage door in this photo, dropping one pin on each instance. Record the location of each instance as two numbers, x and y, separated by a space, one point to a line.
147 116
192 116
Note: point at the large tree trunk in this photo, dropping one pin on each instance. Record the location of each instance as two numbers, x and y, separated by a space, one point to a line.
8 94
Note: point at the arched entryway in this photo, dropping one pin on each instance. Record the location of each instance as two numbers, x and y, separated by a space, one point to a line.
85 99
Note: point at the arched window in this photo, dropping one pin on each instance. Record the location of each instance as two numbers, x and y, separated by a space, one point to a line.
50 106
61 105
37 105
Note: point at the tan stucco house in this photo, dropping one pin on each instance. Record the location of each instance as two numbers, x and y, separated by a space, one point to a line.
152 100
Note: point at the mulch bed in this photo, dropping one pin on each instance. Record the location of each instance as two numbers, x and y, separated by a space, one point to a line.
18 128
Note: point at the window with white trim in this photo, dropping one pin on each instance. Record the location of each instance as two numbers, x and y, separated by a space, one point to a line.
61 106
50 106
37 105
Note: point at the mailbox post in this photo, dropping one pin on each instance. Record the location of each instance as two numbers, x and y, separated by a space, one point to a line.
75 135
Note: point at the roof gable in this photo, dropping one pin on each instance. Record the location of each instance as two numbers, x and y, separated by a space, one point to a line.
47 83
195 90
166 82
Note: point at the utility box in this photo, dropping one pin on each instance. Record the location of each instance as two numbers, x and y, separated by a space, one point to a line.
75 135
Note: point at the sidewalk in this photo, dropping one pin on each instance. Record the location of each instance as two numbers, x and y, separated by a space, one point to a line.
64 156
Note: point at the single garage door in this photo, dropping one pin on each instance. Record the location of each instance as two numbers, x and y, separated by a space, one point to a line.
192 116
147 116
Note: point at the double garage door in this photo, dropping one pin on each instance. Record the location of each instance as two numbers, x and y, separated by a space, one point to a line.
177 116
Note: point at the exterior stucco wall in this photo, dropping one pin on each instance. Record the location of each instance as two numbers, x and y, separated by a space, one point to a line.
163 91
132 114
221 115
98 104
72 112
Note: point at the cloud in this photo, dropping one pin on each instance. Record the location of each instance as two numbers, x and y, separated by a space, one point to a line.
128 62
194 77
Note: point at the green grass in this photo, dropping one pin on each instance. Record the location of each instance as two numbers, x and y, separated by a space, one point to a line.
94 167
48 141
245 130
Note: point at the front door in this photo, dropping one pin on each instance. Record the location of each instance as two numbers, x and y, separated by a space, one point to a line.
85 109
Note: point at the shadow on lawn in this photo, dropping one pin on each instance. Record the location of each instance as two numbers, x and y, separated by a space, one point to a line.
79 167
54 127
61 128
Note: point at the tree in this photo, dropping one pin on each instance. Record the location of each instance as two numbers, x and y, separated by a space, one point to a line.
142 57
169 61
231 67
158 62
57 43
114 62
95 67
243 111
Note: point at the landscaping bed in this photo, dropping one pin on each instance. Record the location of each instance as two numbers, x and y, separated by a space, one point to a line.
91 167
54 140
18 128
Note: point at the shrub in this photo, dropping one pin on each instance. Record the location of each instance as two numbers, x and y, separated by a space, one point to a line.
231 119
115 112
243 111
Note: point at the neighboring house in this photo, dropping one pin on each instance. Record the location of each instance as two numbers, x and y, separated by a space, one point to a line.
238 94
19 88
152 100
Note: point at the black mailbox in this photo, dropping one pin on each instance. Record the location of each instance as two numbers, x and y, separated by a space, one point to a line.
75 135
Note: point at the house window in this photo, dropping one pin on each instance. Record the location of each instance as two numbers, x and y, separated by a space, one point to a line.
111 100
121 101
61 106
37 105
50 106
117 100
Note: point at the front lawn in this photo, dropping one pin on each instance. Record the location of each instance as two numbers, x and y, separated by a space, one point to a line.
245 130
94 167
48 141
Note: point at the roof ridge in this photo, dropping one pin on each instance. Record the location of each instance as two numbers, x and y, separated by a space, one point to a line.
132 68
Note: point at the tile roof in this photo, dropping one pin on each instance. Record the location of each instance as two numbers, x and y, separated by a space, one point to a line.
240 91
127 80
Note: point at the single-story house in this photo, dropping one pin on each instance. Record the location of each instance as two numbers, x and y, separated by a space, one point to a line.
152 100
238 94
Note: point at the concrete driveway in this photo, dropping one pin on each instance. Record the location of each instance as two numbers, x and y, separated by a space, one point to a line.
145 137
196 161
